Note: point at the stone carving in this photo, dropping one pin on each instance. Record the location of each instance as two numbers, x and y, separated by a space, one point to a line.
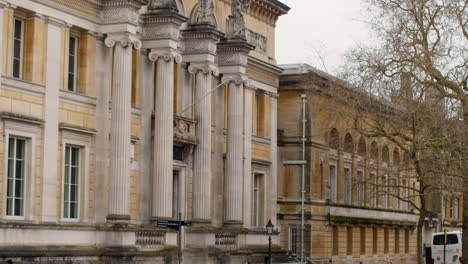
238 79
206 68
205 11
163 4
120 14
236 20
184 130
258 40
124 40
166 55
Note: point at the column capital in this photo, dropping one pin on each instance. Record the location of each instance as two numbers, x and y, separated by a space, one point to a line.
165 54
205 67
237 78
124 39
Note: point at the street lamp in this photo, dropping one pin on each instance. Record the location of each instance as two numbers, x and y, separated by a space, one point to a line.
269 228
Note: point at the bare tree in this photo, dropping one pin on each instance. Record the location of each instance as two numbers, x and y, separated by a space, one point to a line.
428 41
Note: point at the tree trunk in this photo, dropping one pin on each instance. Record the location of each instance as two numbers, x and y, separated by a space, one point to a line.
465 185
419 241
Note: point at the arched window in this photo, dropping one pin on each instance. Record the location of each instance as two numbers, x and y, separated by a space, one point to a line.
385 153
334 139
374 151
348 143
361 149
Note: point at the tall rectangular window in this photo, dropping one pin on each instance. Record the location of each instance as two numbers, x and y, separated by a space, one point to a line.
386 240
395 193
372 192
257 200
363 240
334 240
452 209
374 240
293 239
360 188
332 182
72 63
18 43
346 186
16 176
349 240
406 240
383 192
255 115
404 195
71 182
397 240
175 195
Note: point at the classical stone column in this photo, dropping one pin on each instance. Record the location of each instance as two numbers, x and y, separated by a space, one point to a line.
163 131
202 154
120 126
234 171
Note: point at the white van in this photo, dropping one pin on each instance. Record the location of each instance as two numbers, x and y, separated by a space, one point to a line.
453 247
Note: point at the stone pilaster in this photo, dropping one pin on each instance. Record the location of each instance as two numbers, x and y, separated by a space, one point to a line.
232 62
103 79
200 49
248 93
163 131
49 167
120 127
218 160
273 180
3 4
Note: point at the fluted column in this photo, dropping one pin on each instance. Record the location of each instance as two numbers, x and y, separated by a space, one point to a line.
234 171
202 154
120 126
163 131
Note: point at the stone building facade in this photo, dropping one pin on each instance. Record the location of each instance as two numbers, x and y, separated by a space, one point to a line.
109 123
347 220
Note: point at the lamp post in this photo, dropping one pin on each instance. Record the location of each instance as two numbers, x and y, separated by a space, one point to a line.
269 228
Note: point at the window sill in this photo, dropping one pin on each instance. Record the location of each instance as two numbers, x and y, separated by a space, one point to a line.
73 97
22 86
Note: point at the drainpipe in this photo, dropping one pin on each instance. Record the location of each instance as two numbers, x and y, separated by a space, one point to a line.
304 101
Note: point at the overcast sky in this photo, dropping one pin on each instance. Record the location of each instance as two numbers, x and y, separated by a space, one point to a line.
315 29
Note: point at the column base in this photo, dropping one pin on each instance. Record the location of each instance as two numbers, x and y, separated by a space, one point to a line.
233 223
124 219
201 222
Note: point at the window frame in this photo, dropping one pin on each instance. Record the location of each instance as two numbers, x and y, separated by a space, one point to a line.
373 190
291 240
29 132
258 198
82 141
14 179
332 182
80 166
75 64
21 59
255 115
347 196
